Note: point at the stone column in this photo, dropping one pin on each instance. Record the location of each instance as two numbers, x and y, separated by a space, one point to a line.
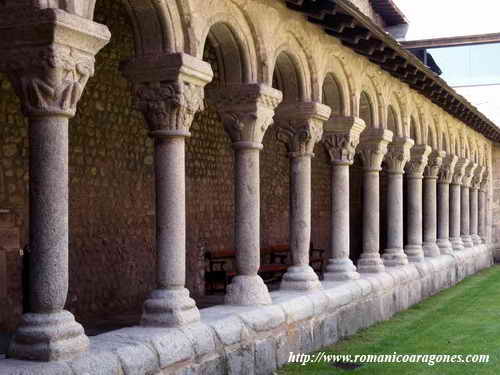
465 207
246 111
455 195
482 207
300 128
414 172
396 158
372 149
474 205
431 172
340 138
48 55
168 90
443 189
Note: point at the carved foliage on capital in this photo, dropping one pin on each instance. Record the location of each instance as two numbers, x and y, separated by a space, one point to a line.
477 178
49 80
418 160
246 110
168 105
485 180
300 127
373 147
447 169
459 172
341 137
398 154
469 174
434 163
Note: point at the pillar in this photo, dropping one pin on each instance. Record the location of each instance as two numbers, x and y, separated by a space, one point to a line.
431 172
396 158
455 206
474 205
372 148
443 209
414 173
482 211
246 112
465 205
49 64
300 128
168 90
340 138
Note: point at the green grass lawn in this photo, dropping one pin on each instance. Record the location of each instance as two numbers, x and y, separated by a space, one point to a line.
462 320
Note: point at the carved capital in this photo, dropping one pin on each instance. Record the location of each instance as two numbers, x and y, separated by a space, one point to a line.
434 163
418 160
373 147
477 178
341 137
459 172
398 154
246 110
168 90
469 174
447 169
300 126
49 59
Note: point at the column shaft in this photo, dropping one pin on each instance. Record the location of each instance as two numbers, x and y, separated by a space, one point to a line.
482 215
455 197
465 217
474 216
430 218
340 267
443 229
247 288
414 249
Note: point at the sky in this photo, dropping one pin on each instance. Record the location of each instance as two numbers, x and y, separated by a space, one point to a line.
466 65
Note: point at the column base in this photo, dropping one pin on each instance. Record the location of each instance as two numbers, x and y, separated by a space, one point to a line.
300 278
456 243
467 241
169 308
394 257
247 291
48 337
415 253
476 240
340 269
431 249
370 263
445 246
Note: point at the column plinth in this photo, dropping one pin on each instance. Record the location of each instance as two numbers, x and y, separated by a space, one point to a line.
168 90
48 64
246 111
396 158
431 172
340 138
455 204
443 209
465 205
414 172
300 128
372 149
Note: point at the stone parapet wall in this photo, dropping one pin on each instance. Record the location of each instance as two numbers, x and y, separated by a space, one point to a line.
257 340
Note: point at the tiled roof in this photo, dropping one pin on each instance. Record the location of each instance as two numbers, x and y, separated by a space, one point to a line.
389 11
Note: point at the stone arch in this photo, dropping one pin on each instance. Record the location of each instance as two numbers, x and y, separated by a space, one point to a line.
157 26
415 131
433 136
333 95
289 78
237 54
335 70
368 90
366 109
393 124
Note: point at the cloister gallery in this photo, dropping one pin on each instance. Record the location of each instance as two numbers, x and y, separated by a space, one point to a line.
141 137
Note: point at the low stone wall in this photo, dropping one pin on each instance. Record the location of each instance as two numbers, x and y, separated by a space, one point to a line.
257 340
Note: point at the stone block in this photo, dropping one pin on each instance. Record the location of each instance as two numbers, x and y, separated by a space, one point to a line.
241 360
265 356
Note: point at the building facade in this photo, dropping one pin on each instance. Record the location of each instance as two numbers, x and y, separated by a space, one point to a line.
139 135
